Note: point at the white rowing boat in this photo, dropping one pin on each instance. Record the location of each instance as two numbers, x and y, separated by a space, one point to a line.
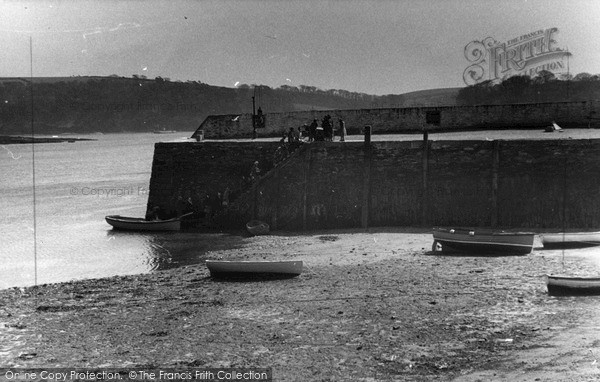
227 268
571 286
570 239
483 242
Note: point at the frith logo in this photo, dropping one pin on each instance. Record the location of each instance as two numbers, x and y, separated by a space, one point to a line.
527 54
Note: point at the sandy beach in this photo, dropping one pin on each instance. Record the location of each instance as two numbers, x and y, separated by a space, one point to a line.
371 305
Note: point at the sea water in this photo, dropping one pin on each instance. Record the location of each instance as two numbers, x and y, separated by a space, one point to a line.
63 235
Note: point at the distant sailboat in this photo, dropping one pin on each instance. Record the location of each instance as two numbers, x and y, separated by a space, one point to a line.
164 131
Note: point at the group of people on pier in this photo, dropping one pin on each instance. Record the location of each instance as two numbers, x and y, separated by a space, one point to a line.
325 131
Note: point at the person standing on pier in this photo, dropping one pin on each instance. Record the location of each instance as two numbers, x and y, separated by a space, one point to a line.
342 125
312 130
327 128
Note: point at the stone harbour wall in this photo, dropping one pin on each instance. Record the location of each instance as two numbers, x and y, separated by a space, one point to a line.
506 184
408 120
186 173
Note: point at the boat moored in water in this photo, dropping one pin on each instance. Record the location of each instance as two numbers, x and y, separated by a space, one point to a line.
141 224
164 131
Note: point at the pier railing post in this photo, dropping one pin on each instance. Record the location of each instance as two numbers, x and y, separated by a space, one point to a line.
368 135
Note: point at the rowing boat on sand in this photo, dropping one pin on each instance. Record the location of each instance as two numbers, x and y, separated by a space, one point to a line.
570 239
571 285
483 242
227 268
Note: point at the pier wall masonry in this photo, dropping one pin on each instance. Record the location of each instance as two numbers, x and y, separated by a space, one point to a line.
551 184
196 173
416 119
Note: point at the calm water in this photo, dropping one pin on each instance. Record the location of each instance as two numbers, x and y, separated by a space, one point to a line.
76 185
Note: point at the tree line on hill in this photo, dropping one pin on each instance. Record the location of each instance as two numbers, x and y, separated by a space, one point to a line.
139 104
544 87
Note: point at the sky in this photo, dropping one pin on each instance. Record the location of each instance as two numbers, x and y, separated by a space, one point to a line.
369 46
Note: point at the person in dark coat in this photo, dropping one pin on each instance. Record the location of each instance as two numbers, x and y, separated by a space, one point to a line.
312 130
342 126
320 134
291 136
327 128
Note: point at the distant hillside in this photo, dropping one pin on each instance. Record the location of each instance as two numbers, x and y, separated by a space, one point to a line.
139 104
545 87
431 97
39 80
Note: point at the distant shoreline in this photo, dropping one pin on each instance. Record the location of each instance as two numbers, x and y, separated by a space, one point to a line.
19 139
68 137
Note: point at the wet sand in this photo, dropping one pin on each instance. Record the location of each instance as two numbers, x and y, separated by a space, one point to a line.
374 305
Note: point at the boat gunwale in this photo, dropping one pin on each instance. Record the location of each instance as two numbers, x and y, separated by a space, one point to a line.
480 232
569 233
573 278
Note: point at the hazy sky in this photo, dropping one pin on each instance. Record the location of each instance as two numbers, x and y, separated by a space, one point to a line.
371 46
